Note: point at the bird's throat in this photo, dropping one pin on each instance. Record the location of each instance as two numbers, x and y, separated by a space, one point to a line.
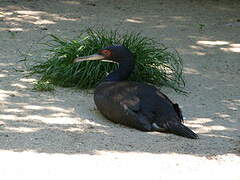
126 66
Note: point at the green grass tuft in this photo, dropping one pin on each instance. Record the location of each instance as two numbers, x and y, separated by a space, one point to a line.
154 63
43 86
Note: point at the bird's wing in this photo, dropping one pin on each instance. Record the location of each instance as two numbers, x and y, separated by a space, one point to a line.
175 105
132 110
131 102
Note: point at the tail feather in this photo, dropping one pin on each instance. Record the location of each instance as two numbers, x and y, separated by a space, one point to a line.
182 130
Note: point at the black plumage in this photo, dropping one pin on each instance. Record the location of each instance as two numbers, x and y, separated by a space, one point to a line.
137 105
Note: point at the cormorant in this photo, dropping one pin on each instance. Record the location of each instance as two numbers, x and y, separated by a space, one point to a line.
137 105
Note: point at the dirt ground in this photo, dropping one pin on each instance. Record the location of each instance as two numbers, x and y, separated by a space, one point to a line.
61 135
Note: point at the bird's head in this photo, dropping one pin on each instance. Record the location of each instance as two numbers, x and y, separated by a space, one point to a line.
116 53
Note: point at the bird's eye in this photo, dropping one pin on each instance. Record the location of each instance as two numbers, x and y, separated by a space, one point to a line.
106 52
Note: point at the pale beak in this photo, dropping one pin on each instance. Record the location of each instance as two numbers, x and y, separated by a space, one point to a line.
88 58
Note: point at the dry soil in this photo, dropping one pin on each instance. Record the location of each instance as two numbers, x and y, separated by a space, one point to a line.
60 134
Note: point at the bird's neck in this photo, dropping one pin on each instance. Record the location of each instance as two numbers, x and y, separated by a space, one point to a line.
126 66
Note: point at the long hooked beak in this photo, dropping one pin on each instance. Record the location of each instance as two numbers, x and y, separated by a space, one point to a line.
88 58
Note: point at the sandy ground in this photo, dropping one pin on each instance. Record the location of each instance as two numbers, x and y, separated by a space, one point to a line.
61 135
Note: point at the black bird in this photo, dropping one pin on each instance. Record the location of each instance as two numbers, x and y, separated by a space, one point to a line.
137 105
